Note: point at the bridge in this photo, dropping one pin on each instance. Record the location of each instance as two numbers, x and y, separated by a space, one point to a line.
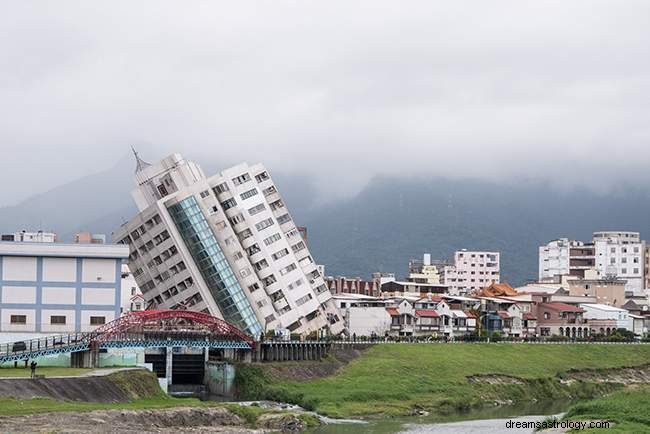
137 330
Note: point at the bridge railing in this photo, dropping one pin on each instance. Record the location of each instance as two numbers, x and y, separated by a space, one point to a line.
43 343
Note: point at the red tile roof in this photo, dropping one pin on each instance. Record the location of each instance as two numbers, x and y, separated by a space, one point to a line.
392 311
503 314
529 316
562 307
428 313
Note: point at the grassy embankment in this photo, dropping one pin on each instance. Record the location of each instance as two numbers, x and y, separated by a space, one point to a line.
395 379
627 410
47 371
144 393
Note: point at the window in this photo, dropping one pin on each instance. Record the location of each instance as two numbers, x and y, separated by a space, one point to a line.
268 191
280 254
244 177
284 218
205 194
214 209
636 271
236 219
246 233
272 239
264 224
298 246
18 319
254 287
250 193
288 269
229 203
624 260
244 272
99 320
277 205
57 319
263 176
624 270
221 188
257 209
547 315
261 265
303 300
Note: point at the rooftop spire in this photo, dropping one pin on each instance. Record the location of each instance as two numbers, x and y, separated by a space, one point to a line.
140 163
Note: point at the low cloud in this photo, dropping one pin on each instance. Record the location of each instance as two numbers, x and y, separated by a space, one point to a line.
338 91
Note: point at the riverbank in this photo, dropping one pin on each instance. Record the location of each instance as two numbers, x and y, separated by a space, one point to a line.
626 410
414 379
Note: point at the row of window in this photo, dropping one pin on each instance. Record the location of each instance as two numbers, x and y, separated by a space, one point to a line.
56 319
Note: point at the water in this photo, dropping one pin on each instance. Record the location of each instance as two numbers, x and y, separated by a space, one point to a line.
487 420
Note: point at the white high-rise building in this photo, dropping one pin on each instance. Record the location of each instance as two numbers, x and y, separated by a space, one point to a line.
564 257
621 255
225 245
472 270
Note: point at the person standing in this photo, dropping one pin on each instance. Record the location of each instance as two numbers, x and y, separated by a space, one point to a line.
32 366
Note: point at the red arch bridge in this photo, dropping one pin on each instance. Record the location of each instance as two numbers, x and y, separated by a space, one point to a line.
146 329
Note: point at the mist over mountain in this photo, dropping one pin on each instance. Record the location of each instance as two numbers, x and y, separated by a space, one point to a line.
388 222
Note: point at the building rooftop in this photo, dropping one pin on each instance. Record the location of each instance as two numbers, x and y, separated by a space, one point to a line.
602 307
562 307
115 251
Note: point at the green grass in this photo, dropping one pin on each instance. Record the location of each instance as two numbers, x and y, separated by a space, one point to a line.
47 371
627 410
393 379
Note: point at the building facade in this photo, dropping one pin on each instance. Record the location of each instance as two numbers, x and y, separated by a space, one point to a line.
472 270
225 245
54 288
564 257
621 255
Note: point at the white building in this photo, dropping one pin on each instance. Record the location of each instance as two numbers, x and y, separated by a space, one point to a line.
131 299
30 237
472 270
225 245
363 315
599 312
621 255
564 257
423 271
54 288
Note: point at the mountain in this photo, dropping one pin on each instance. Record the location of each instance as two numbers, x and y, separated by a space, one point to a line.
381 228
393 220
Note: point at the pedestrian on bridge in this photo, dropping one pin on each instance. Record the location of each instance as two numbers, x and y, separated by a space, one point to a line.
33 368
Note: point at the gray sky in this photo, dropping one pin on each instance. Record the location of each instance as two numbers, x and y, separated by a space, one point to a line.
341 90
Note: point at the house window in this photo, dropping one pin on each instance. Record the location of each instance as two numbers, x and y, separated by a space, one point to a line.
547 315
263 176
57 319
250 193
257 209
221 188
245 177
205 194
99 320
229 203
264 224
18 319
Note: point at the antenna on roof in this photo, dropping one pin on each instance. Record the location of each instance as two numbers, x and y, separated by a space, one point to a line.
140 163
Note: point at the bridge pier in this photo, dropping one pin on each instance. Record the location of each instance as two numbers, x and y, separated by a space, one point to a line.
169 357
84 359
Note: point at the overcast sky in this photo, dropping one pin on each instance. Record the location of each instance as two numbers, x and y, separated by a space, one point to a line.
341 90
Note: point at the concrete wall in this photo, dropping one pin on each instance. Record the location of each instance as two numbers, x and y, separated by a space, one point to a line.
220 378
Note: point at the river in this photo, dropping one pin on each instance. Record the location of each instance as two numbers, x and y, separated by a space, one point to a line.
484 421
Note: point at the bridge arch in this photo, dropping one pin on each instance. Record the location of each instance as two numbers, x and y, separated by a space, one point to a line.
168 321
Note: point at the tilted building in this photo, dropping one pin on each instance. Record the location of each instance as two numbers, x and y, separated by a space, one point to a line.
225 245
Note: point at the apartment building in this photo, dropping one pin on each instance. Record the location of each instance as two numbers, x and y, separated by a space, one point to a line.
54 288
226 245
621 255
564 257
30 237
423 271
472 270
352 285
